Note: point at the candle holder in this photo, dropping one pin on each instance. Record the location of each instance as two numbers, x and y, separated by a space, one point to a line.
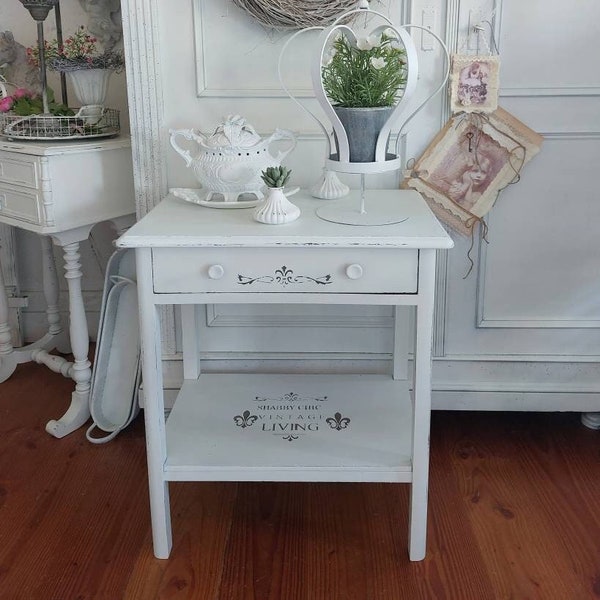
39 10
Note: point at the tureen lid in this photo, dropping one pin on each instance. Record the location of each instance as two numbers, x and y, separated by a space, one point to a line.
235 132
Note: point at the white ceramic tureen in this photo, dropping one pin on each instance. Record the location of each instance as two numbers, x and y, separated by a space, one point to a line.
230 161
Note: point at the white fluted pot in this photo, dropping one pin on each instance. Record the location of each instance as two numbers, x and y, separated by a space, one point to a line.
90 85
329 187
276 209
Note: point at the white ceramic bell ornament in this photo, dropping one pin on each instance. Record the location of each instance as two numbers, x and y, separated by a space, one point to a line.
329 187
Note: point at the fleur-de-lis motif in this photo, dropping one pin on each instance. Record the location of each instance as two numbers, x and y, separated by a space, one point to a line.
290 438
284 275
338 422
245 419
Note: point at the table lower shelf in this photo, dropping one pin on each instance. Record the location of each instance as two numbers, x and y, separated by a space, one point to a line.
290 428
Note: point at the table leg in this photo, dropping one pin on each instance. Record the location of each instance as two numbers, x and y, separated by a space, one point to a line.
417 536
8 360
51 294
80 371
37 351
154 410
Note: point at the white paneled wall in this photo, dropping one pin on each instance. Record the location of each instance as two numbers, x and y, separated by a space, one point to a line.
521 332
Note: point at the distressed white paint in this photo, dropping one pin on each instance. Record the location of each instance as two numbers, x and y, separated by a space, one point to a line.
390 442
32 323
163 89
56 205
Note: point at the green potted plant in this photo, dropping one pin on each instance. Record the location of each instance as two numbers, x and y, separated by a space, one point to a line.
23 103
276 209
88 69
364 81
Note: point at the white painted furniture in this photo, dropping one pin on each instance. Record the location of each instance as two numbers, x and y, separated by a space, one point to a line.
285 427
60 191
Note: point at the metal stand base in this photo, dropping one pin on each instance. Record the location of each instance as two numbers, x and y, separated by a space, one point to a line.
353 210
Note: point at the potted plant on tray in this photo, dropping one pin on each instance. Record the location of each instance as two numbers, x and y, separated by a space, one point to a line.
23 102
88 69
363 81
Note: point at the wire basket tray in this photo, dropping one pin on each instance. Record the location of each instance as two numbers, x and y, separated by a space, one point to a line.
105 123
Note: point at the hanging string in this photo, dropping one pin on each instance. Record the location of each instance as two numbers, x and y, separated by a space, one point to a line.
471 224
494 49
477 30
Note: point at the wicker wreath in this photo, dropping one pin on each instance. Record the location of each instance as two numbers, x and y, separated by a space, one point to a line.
295 14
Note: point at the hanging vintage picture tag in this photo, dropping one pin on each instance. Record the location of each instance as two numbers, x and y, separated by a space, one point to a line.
474 83
469 162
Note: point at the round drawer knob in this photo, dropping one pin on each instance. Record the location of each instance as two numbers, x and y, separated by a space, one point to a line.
354 271
216 271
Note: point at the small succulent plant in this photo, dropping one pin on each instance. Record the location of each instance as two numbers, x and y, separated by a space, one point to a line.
276 177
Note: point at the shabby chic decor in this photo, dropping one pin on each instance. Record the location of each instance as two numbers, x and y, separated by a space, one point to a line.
469 163
28 115
276 209
370 70
229 162
87 68
474 83
344 427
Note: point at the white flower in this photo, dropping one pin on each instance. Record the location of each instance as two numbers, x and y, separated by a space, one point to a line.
328 57
378 63
364 43
391 35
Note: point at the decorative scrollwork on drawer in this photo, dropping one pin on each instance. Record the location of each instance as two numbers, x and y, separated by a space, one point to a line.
284 276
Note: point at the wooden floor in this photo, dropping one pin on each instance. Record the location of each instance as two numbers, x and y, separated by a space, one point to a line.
514 513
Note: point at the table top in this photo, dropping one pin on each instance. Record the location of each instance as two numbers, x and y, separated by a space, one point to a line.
178 223
41 148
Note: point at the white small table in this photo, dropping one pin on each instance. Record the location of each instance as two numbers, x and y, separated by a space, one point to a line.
250 427
60 190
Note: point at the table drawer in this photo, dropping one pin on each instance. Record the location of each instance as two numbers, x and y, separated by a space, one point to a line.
277 270
20 203
23 171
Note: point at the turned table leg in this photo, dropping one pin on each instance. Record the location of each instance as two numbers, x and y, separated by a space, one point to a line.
80 371
51 289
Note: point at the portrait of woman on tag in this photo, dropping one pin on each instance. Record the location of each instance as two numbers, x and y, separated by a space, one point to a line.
474 83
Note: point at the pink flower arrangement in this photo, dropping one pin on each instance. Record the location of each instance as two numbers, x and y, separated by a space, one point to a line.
24 102
78 52
7 103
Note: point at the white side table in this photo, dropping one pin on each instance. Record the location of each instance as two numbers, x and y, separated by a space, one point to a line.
60 190
250 427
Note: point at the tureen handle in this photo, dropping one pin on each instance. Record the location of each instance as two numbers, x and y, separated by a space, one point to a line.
188 134
282 134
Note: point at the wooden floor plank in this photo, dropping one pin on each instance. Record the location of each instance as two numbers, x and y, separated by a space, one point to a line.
514 513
